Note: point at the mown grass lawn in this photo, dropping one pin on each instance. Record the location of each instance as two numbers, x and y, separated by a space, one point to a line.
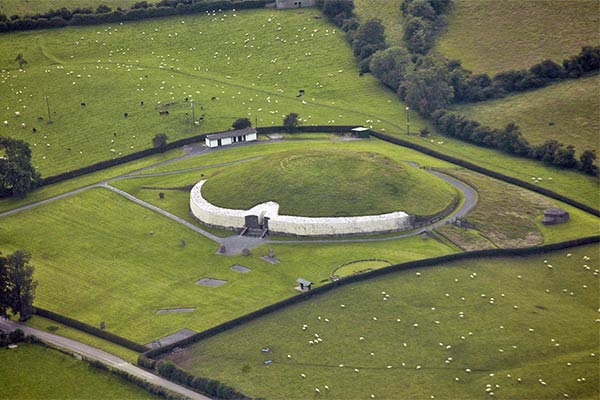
567 112
459 330
96 260
490 36
33 371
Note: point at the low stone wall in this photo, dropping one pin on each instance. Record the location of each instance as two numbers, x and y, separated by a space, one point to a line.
292 225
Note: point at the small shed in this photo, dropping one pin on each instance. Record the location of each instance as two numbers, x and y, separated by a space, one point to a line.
231 137
305 285
361 132
554 215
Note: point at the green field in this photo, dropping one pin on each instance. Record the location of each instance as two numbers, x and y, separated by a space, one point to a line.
329 183
96 260
514 220
491 36
139 61
388 12
451 331
28 7
567 111
253 63
37 372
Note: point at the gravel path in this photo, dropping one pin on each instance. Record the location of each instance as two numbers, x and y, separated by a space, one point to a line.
93 353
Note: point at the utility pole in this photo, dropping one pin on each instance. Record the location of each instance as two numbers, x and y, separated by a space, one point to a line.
48 106
256 121
407 121
193 113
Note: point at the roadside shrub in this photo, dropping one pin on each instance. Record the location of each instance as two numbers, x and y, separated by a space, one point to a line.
16 336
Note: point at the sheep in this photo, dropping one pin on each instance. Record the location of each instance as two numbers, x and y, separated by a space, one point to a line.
125 115
17 114
5 123
83 104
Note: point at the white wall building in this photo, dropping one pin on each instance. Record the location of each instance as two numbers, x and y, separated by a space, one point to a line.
268 215
294 3
230 137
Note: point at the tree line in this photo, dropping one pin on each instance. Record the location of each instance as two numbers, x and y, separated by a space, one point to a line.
56 18
17 287
430 83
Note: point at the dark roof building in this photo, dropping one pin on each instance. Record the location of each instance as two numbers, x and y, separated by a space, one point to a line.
553 216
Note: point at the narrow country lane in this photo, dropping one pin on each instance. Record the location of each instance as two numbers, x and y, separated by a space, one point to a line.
93 353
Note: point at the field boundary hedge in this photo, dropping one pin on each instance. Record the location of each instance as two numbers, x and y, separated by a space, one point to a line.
92 330
64 17
146 358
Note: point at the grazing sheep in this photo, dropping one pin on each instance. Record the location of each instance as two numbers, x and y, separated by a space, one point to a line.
83 104
126 115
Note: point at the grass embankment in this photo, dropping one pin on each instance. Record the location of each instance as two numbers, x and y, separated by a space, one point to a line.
388 12
97 260
451 332
493 36
567 112
29 7
329 183
37 372
507 216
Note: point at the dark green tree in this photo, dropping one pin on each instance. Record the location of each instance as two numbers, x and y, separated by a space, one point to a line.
22 285
390 66
338 8
103 9
427 88
5 287
159 141
17 176
291 121
565 157
587 159
242 123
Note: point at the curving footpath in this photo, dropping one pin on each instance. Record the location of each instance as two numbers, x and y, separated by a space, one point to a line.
93 353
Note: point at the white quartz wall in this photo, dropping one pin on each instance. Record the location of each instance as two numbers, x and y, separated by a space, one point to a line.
302 226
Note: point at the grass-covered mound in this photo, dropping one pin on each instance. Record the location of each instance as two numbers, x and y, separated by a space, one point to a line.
494 36
517 327
329 183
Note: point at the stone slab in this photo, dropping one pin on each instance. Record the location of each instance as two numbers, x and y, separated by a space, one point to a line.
210 282
172 338
175 310
240 268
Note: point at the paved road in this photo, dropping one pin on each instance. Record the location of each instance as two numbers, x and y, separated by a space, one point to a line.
93 353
